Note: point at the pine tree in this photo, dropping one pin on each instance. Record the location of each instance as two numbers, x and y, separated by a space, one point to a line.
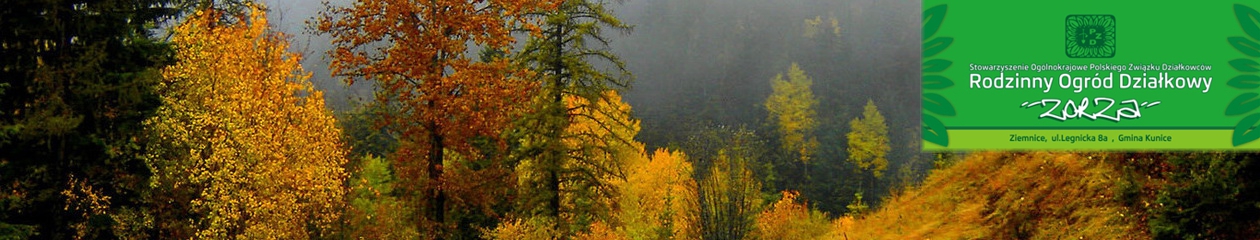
76 82
568 173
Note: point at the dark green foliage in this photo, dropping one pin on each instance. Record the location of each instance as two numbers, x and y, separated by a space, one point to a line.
830 184
365 133
10 231
78 81
230 7
1208 195
706 145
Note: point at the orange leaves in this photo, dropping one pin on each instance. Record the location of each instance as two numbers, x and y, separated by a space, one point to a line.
262 149
416 52
787 219
81 197
1038 195
433 33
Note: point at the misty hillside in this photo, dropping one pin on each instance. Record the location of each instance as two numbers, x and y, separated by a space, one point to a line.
709 62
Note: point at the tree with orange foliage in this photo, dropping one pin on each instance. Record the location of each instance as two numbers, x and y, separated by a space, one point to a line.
416 52
251 151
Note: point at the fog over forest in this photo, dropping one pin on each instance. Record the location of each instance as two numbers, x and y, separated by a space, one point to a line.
700 65
710 61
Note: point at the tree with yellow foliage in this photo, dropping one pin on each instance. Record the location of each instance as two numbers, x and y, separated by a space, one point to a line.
868 141
250 144
791 108
868 149
658 198
729 196
576 71
788 219
598 145
578 184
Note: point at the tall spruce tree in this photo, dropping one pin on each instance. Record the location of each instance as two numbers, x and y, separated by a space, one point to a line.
567 174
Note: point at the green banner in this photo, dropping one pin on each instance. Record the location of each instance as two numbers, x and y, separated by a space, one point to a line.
997 74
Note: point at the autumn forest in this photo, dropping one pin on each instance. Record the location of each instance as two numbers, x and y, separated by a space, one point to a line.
533 119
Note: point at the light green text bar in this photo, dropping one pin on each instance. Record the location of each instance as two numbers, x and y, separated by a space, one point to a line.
1089 139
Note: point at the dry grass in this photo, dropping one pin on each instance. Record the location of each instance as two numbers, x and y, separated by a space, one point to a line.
992 195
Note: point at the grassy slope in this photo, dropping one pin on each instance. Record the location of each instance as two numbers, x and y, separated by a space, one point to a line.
1035 195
